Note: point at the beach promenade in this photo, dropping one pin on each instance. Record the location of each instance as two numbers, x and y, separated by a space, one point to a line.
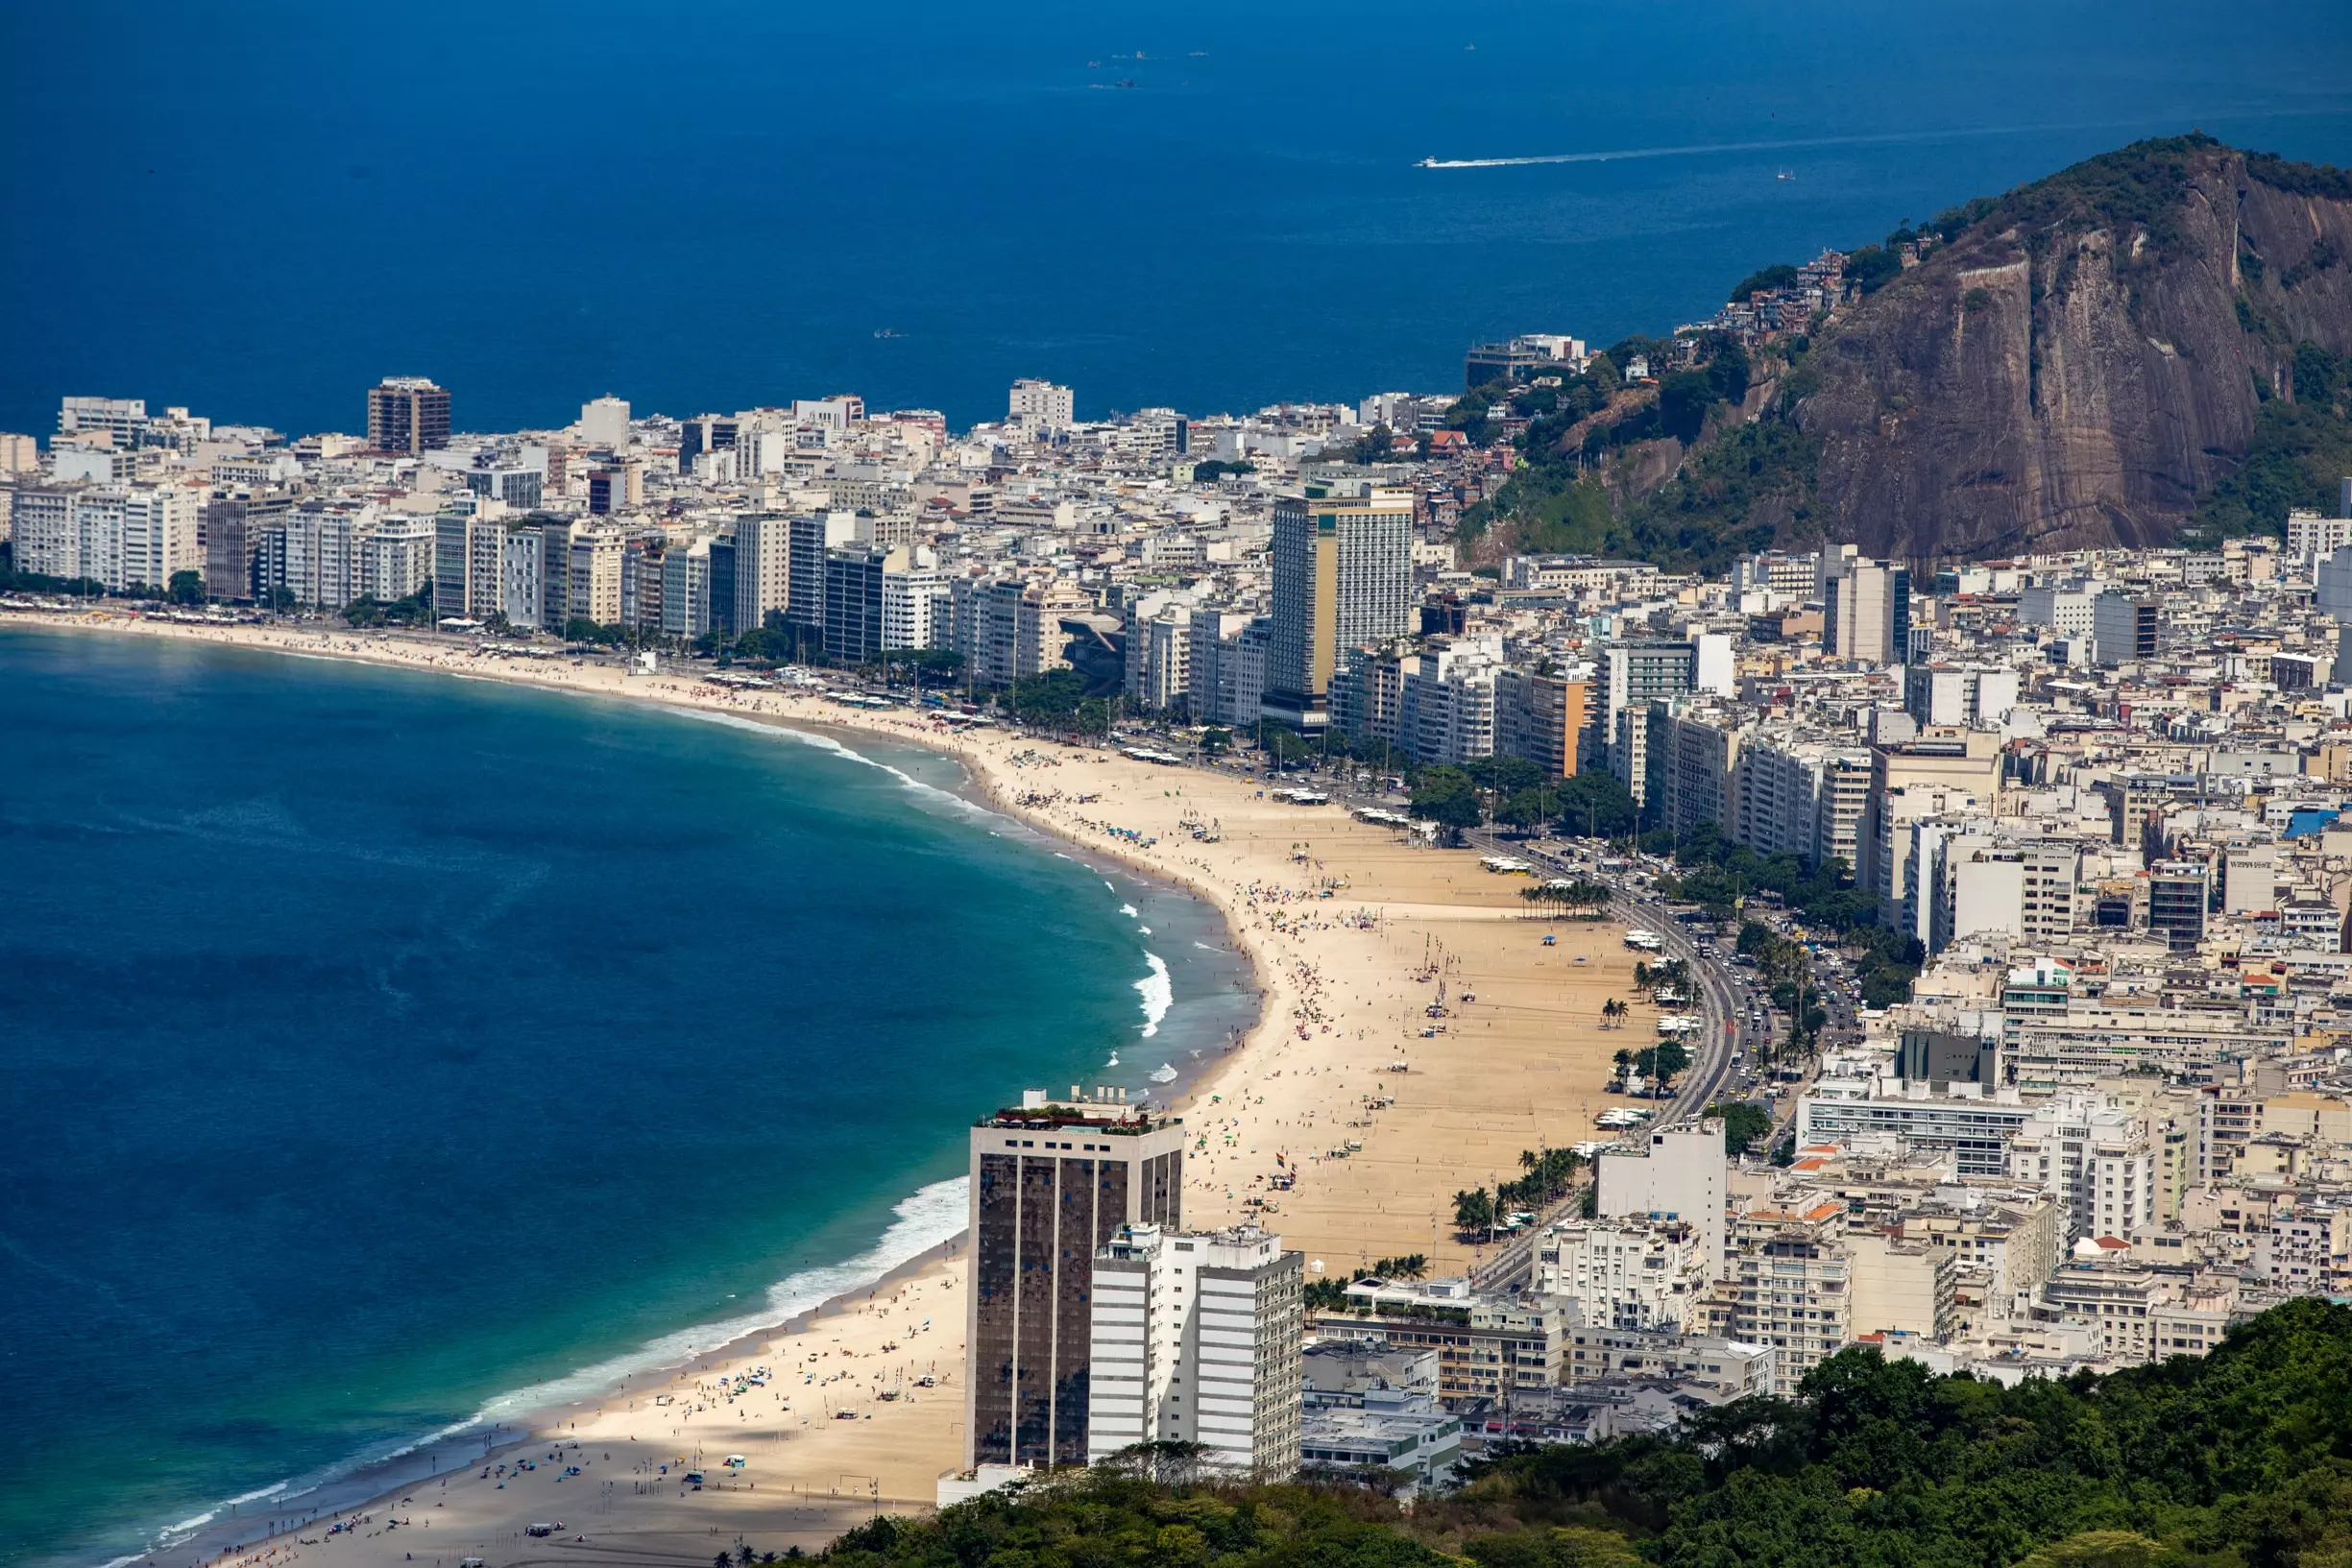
1345 1119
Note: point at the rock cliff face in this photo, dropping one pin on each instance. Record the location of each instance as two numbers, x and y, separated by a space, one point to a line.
2079 363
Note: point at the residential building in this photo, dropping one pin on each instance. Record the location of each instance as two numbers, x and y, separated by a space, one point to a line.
409 414
1196 1338
1342 572
1052 1182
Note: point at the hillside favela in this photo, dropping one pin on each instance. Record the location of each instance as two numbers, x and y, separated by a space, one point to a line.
1723 950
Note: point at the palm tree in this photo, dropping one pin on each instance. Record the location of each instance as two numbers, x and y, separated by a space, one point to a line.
1611 1011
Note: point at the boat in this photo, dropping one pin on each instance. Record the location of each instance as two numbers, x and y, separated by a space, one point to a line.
1785 174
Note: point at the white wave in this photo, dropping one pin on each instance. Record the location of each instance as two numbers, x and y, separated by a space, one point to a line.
827 744
1146 929
1158 994
1128 911
1790 144
1113 889
923 1220
1205 948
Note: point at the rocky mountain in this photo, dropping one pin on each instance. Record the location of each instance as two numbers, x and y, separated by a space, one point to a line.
2079 363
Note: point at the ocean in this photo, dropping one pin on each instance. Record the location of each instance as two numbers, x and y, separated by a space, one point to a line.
388 1053
258 209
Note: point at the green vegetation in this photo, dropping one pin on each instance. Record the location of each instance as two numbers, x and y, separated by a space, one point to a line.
1721 874
1597 805
1213 469
2299 451
2243 1459
416 610
1745 1124
1664 1061
1778 276
1057 700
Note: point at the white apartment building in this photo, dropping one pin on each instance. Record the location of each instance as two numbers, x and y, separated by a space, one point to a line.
2097 1162
1040 405
1790 1282
2064 610
1623 1273
1196 1338
1226 665
1697 768
1959 694
1799 797
2312 538
917 611
1677 1175
1973 1129
1158 650
119 535
396 558
1450 697
605 423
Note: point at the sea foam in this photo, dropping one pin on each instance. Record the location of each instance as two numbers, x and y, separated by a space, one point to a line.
1157 992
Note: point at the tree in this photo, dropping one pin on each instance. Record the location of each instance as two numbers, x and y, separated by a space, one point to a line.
1474 1209
1743 1125
187 588
1595 805
284 602
1216 741
1446 795
1611 1011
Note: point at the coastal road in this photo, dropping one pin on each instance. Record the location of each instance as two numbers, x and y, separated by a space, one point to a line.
1718 990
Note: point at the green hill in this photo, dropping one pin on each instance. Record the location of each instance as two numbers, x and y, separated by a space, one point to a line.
2243 1459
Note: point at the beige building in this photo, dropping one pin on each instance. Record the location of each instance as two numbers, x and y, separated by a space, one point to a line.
1899 1286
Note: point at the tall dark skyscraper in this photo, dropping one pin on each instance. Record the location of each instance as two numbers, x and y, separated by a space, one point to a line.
1053 1180
409 414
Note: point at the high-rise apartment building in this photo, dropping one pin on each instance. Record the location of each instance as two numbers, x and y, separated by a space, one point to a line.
1678 1176
409 414
762 568
2124 628
1342 576
1541 718
1052 1182
813 538
686 591
1197 1338
1634 675
232 538
853 602
594 590
1790 1279
617 487
604 423
1866 611
1629 1273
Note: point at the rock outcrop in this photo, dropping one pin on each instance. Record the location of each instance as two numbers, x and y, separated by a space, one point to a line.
2079 363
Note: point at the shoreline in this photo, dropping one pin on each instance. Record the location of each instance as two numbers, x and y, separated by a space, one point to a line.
1341 926
370 1483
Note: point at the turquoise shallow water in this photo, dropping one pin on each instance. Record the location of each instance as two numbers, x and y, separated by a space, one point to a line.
380 1045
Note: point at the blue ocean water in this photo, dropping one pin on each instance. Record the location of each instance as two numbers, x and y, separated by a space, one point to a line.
377 1045
257 209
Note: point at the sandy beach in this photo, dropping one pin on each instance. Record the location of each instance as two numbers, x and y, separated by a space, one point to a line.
1352 931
